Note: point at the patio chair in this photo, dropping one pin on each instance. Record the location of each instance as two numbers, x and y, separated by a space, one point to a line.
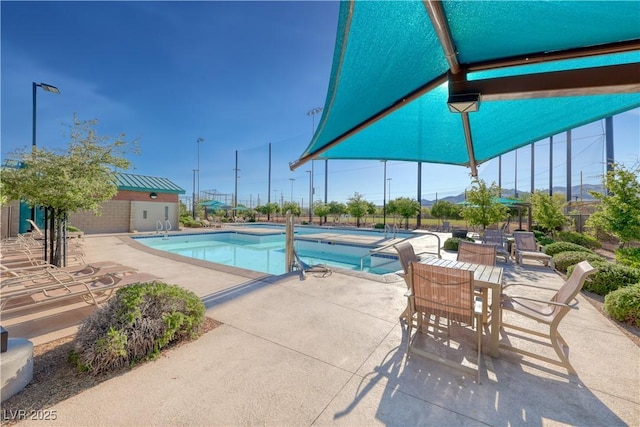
547 312
496 238
477 253
94 291
440 293
525 246
31 276
36 232
406 255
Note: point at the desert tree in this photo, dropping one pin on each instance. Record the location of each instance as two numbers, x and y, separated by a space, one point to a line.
619 209
80 177
358 207
546 211
482 206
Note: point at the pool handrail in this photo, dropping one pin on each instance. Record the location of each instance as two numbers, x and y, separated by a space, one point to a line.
417 235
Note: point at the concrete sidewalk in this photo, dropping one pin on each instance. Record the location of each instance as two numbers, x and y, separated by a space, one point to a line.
330 351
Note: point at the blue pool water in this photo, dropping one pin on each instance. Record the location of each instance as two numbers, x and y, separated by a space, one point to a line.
266 252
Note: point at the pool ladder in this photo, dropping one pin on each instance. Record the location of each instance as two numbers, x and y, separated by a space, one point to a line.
166 227
390 228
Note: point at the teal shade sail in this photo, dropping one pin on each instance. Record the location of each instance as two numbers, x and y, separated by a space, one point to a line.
538 67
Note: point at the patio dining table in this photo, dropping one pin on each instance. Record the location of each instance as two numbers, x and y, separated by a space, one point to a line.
484 276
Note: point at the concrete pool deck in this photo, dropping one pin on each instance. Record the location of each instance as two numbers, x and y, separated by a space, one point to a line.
330 351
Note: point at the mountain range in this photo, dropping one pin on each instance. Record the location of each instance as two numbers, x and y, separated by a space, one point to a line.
510 193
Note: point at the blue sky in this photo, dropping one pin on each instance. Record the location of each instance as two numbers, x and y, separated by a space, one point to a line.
240 75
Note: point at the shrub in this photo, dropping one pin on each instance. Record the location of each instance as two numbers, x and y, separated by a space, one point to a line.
545 240
611 277
538 233
451 244
624 304
557 247
564 260
379 225
579 239
629 257
135 325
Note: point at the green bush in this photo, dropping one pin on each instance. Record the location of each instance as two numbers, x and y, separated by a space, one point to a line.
579 239
545 240
135 325
629 257
379 225
538 233
564 260
611 277
557 247
624 304
451 244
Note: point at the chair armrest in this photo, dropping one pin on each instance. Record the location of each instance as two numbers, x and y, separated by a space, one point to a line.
529 286
547 302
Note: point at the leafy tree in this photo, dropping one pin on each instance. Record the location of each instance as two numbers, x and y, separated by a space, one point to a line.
482 207
372 209
406 208
358 207
268 209
336 209
3 196
80 178
546 210
619 211
293 207
321 209
442 210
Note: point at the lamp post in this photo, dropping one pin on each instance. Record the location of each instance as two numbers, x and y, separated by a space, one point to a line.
292 180
310 196
199 140
193 202
312 113
384 195
48 88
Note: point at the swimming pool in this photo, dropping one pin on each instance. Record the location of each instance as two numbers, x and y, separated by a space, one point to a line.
262 248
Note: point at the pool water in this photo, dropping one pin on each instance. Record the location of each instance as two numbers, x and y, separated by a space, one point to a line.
266 252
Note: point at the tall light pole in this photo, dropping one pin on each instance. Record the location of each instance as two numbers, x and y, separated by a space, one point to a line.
312 113
310 196
384 195
48 88
389 179
193 202
199 140
292 180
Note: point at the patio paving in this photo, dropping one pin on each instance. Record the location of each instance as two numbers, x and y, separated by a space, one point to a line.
330 351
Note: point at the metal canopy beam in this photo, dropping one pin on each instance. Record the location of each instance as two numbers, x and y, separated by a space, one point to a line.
456 72
623 78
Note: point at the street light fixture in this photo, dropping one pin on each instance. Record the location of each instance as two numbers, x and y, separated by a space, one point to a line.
48 88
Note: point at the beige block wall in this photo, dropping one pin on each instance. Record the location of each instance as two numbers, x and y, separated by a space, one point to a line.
114 218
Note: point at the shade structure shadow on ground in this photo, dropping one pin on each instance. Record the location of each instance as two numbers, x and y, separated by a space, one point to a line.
417 391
